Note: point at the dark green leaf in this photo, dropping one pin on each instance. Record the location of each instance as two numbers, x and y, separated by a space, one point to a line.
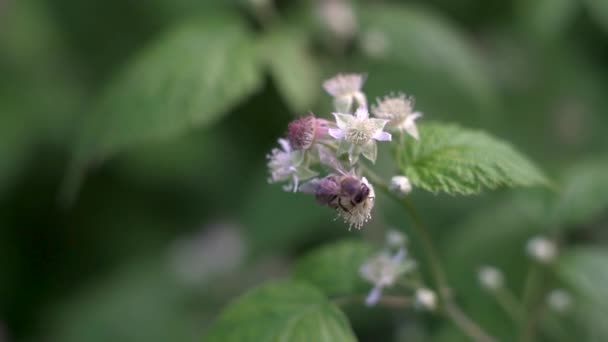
335 268
455 160
281 311
598 9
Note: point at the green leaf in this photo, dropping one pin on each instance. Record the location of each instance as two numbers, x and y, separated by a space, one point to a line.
598 9
584 271
281 311
584 194
455 160
334 268
424 40
548 18
189 77
293 68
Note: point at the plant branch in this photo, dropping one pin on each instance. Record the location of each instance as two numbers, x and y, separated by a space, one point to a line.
396 302
450 308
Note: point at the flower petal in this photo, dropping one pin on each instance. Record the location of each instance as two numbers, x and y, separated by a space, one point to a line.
382 136
374 296
362 113
336 133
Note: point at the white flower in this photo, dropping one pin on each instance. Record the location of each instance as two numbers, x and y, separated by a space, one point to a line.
400 185
559 300
288 165
426 299
490 278
345 89
358 134
399 110
395 239
357 215
542 249
339 17
382 270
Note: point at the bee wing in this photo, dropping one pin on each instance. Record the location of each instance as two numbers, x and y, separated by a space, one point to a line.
311 186
329 159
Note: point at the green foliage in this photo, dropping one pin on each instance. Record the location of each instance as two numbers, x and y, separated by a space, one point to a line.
281 311
189 77
292 67
334 268
598 9
584 194
460 161
584 271
547 19
423 39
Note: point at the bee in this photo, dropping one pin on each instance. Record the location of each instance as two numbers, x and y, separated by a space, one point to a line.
351 196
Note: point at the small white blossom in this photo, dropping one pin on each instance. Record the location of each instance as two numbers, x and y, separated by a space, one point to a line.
559 300
339 17
358 134
346 89
399 111
395 239
382 271
400 185
542 249
426 299
490 278
287 165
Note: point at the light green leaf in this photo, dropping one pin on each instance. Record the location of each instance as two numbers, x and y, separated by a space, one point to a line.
189 77
281 311
584 271
584 194
455 160
293 68
334 268
422 39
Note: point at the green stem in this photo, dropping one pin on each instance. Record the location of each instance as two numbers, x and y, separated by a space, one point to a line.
449 307
509 303
534 283
395 302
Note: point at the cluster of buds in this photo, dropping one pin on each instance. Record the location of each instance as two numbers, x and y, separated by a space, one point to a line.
338 145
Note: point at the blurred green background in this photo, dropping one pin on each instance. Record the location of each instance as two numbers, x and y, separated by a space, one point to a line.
133 136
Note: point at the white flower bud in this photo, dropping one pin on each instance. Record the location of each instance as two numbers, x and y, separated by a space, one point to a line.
559 300
542 249
400 185
426 299
395 239
490 278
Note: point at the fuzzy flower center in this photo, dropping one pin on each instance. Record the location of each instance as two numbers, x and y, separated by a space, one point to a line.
360 132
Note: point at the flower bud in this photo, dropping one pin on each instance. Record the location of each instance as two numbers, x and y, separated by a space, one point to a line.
426 299
490 278
542 249
400 185
559 300
395 239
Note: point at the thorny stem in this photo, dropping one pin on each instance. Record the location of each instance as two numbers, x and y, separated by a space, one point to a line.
396 302
449 307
